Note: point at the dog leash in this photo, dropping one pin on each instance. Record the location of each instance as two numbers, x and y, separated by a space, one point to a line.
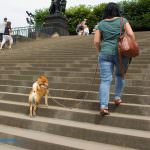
86 95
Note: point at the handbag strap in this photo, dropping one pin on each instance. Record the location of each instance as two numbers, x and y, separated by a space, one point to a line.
122 68
121 24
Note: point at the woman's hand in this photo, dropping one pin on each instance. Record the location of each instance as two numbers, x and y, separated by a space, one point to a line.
97 40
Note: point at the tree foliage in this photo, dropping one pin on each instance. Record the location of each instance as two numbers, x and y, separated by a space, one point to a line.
75 15
136 11
40 16
138 14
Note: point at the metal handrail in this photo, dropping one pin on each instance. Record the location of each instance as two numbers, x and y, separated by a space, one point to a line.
31 32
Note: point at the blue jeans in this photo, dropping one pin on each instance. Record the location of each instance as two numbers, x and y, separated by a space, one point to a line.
106 65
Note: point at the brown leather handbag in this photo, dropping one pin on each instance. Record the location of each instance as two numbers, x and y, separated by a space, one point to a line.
127 46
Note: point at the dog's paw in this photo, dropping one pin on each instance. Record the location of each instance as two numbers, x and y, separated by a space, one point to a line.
46 105
34 113
30 115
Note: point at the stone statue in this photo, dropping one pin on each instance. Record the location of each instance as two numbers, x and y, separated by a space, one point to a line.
56 22
57 6
63 5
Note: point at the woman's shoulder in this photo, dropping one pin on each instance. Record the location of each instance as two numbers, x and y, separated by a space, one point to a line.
125 19
100 25
100 22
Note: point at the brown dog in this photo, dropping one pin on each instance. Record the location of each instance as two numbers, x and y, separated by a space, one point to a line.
39 89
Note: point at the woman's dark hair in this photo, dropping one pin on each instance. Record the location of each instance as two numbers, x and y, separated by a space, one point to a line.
111 10
8 25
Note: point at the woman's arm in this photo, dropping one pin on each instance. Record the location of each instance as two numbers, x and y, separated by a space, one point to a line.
10 31
129 30
97 40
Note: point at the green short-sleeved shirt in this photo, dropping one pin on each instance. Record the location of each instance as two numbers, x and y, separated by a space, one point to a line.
110 34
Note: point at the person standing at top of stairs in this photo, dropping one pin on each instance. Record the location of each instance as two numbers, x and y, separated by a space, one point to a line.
7 35
2 28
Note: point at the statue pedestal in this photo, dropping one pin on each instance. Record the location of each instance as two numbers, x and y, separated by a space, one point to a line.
56 23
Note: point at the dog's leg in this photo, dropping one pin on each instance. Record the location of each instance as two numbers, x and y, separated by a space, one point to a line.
30 114
35 108
46 99
31 98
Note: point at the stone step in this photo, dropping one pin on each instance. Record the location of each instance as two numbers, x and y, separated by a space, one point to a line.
63 78
67 73
53 52
49 65
91 58
20 67
35 56
83 86
134 66
67 70
30 139
64 69
49 73
76 88
28 55
90 102
52 59
69 46
53 79
73 92
62 50
53 111
80 94
77 114
10 147
72 63
57 59
84 131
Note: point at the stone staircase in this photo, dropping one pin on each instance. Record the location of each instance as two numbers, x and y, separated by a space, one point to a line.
70 63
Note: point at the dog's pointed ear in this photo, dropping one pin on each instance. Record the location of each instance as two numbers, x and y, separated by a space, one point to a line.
40 77
46 80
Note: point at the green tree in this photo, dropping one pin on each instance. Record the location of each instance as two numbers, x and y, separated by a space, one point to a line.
40 16
98 11
136 11
75 15
138 14
96 15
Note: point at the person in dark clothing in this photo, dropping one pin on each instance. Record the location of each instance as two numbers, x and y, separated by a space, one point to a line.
2 28
7 35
